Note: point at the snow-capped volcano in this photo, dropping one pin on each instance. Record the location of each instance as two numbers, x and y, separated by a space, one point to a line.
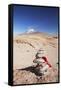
31 30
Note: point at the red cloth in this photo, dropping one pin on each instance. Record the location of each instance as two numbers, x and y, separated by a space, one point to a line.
45 59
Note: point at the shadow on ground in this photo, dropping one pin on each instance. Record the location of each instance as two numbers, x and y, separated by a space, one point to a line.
31 69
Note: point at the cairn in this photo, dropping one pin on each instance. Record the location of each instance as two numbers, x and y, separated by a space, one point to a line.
42 64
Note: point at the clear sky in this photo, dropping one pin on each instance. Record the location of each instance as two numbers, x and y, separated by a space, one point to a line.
42 19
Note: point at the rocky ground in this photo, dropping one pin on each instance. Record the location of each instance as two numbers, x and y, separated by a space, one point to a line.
29 76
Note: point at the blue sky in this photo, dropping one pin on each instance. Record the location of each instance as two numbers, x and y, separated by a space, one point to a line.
42 19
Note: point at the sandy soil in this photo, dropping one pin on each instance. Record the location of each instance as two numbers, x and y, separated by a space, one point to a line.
25 48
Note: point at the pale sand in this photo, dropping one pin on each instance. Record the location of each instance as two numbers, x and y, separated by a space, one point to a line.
25 48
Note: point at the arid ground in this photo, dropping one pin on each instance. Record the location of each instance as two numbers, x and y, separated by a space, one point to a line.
25 47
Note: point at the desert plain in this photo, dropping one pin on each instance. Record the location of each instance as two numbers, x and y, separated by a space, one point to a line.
25 47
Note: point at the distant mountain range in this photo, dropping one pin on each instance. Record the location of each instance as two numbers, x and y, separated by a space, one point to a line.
33 32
